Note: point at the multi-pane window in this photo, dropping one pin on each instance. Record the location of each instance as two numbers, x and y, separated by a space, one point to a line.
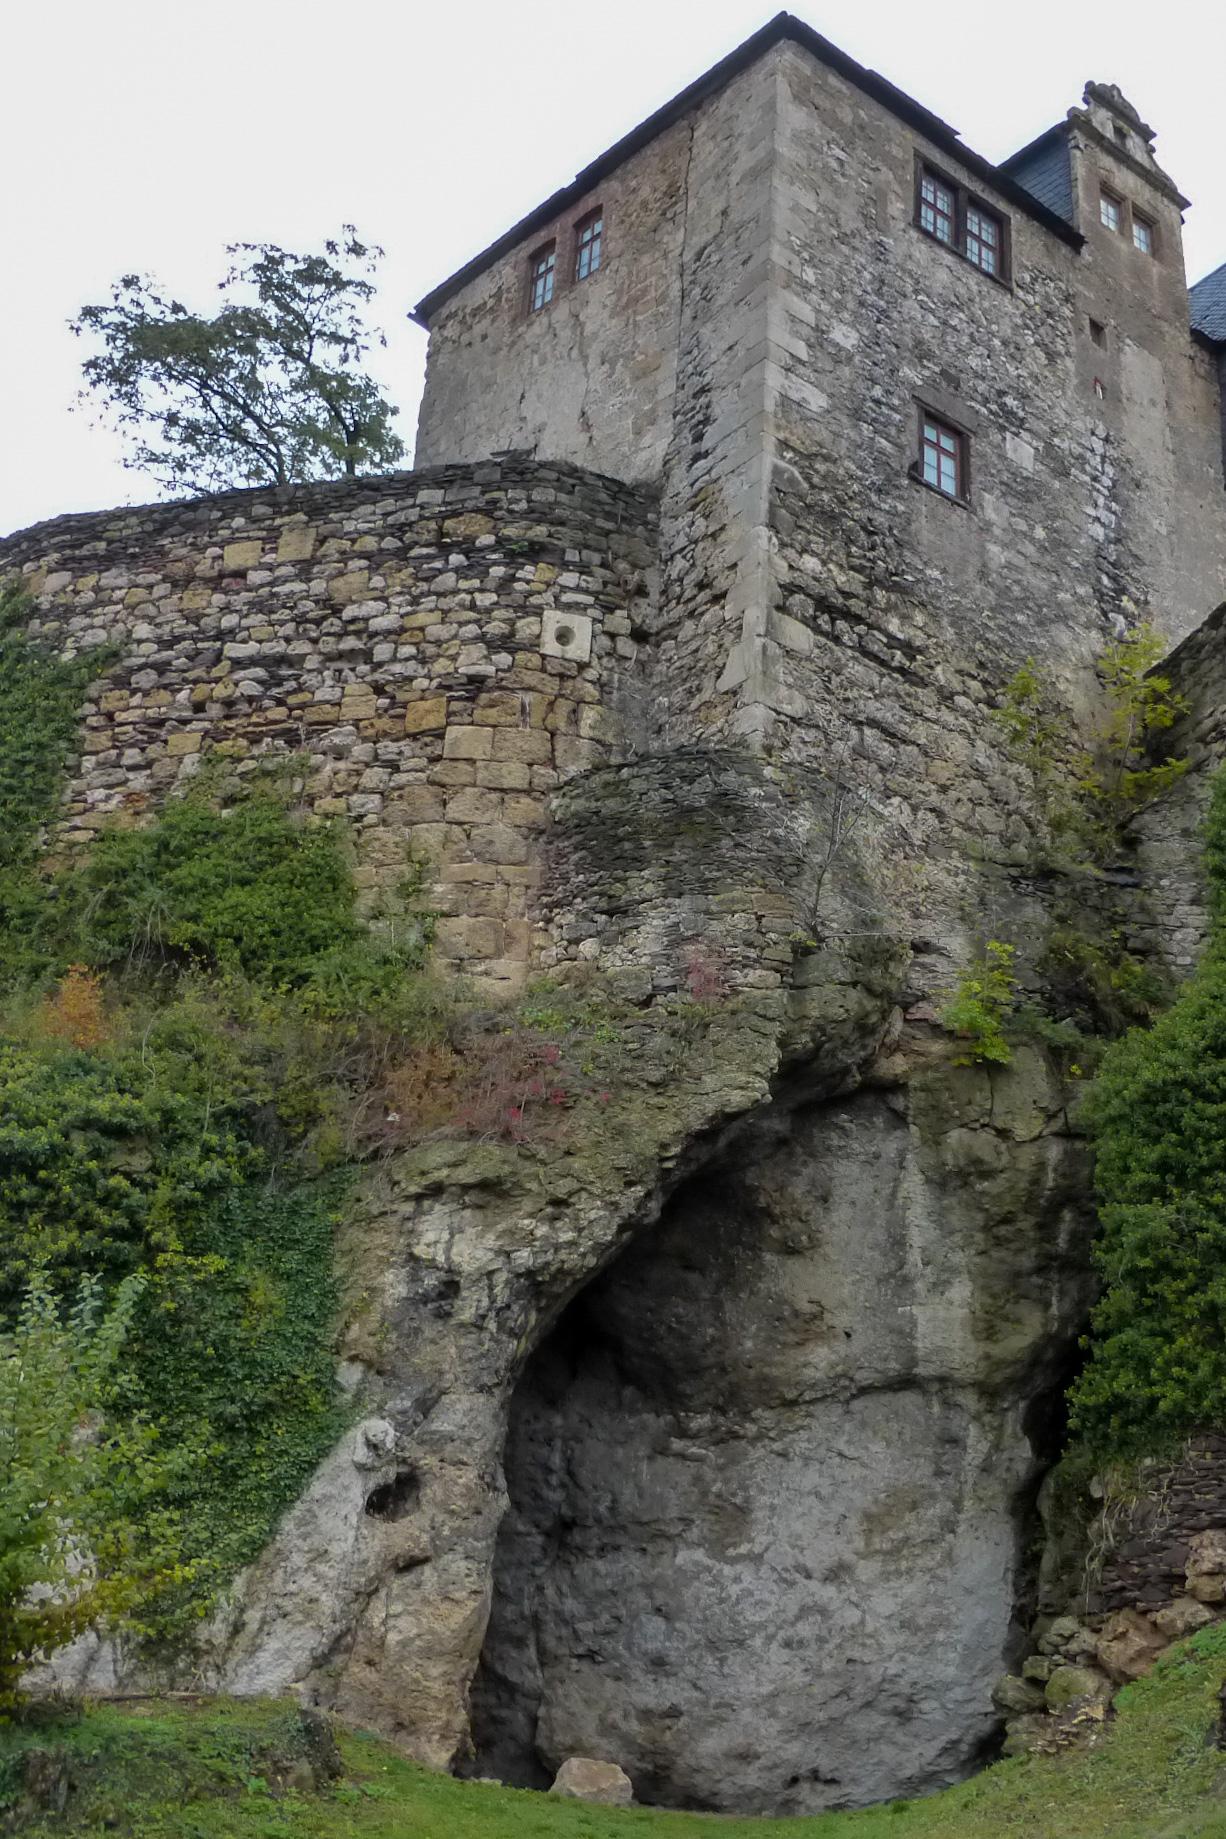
588 237
942 457
983 239
540 291
1110 209
938 208
1142 233
949 213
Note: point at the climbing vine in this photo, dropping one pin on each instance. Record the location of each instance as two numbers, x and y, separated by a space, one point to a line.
1082 798
1157 1357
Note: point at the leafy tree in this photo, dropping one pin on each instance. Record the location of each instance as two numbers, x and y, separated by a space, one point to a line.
269 391
84 1538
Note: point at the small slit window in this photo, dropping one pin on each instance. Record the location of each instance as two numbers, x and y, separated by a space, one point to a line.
540 292
983 239
589 236
1142 233
942 456
1110 210
938 208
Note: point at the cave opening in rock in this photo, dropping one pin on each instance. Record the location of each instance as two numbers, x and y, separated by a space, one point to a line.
770 1484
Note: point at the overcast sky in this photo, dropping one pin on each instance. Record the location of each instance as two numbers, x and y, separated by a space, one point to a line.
146 134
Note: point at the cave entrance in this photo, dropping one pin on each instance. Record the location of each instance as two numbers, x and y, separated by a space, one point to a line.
762 1545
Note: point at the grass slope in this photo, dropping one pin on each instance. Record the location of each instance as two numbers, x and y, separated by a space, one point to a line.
212 1771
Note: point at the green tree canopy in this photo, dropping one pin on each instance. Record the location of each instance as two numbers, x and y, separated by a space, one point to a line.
270 390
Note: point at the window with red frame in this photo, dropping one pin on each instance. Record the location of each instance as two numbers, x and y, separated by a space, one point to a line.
984 240
589 237
942 456
938 208
541 276
952 215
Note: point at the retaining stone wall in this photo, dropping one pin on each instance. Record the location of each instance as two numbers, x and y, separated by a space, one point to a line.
443 648
1148 1562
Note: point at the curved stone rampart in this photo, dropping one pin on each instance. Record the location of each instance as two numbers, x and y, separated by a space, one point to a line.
442 648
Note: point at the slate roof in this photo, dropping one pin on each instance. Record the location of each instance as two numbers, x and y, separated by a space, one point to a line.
1046 170
1038 177
1208 302
784 26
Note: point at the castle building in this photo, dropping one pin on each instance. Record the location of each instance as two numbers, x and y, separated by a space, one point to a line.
830 330
751 467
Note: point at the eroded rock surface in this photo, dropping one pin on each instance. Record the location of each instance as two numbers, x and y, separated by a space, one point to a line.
770 1475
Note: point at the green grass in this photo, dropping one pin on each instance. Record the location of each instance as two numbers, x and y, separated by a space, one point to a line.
213 1771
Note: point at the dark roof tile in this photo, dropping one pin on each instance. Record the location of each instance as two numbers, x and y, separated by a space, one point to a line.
1208 302
783 27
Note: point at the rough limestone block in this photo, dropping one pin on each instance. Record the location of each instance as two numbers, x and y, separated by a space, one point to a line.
475 743
1206 1571
296 543
582 1779
242 555
426 715
1180 1618
182 743
468 938
499 709
344 589
530 746
1016 1695
1068 1684
468 527
566 635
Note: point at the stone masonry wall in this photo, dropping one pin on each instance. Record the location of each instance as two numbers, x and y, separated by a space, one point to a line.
818 604
1147 1560
442 648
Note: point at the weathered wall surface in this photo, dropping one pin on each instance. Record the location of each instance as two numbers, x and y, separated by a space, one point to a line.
441 648
764 1543
1167 836
817 599
1074 498
590 377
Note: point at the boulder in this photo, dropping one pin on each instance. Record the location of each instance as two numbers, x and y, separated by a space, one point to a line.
1128 1645
581 1778
1182 1617
1064 1631
1016 1695
1206 1572
1068 1684
1025 1734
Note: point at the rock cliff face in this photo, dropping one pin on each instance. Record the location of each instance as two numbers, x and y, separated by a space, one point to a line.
707 1435
771 1475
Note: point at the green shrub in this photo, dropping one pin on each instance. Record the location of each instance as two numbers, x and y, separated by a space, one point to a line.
1157 1364
1096 982
163 1163
39 699
1082 799
980 1004
233 1357
85 1536
249 888
101 1164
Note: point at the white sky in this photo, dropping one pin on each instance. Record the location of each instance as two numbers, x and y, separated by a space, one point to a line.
146 134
